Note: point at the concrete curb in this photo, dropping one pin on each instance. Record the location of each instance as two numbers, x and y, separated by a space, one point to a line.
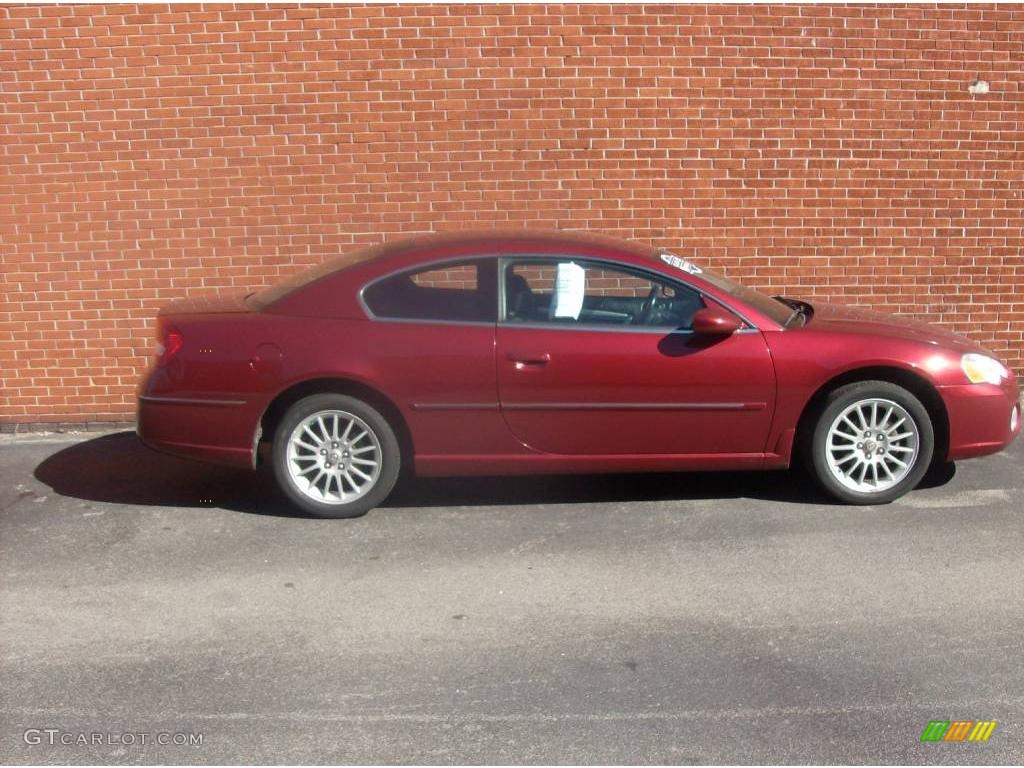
51 432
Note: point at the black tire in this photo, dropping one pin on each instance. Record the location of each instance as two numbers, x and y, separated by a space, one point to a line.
835 404
390 458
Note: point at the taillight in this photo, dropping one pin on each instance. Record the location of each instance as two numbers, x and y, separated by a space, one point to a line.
171 341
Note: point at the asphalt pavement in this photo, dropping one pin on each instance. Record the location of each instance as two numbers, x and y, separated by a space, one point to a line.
701 618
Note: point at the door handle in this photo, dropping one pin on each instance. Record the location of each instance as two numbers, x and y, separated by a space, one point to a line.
529 361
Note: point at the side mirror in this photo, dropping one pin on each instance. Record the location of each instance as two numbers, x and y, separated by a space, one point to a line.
715 321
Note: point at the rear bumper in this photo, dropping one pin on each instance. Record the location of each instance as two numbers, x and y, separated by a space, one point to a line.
979 418
220 431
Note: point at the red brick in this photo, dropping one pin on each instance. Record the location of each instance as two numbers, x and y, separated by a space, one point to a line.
155 151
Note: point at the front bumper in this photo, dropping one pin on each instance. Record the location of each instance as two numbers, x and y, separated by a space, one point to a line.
980 418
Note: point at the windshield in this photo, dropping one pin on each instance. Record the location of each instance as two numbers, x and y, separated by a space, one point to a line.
766 305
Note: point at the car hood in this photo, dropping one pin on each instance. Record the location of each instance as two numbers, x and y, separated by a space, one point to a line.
840 319
208 305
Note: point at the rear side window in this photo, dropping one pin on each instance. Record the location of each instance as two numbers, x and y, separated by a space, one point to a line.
454 292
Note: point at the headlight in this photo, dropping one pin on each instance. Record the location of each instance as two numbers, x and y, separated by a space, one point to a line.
980 368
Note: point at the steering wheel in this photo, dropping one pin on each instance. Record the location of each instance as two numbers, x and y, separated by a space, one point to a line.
647 310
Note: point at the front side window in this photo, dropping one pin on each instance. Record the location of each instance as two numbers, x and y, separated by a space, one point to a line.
572 292
453 292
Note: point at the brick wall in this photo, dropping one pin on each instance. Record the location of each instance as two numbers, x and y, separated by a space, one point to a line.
150 152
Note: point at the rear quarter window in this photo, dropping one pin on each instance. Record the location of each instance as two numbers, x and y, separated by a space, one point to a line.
458 292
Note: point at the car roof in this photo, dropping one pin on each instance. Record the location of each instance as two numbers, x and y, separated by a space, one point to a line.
492 240
333 288
384 257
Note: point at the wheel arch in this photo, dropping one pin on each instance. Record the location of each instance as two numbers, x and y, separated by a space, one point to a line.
915 383
283 400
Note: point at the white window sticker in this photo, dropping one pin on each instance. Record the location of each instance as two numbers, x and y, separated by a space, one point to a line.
570 285
682 264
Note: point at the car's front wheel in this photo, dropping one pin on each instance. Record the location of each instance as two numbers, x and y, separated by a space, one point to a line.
872 442
335 456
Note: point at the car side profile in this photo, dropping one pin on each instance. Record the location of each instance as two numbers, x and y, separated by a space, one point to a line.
518 353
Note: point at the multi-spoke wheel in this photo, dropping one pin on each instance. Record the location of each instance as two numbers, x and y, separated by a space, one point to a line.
872 443
335 456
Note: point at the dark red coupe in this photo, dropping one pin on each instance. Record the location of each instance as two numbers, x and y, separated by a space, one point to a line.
501 354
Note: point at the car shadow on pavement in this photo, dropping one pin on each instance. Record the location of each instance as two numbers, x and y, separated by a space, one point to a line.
119 469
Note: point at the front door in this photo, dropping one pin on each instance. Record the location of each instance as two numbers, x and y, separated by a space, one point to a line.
596 358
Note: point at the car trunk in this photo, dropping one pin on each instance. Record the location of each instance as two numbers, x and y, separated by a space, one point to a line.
208 305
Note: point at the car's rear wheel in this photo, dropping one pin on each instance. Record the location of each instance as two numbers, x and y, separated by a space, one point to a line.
335 456
873 442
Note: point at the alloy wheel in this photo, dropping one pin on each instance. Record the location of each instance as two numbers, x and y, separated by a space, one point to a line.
872 445
334 457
